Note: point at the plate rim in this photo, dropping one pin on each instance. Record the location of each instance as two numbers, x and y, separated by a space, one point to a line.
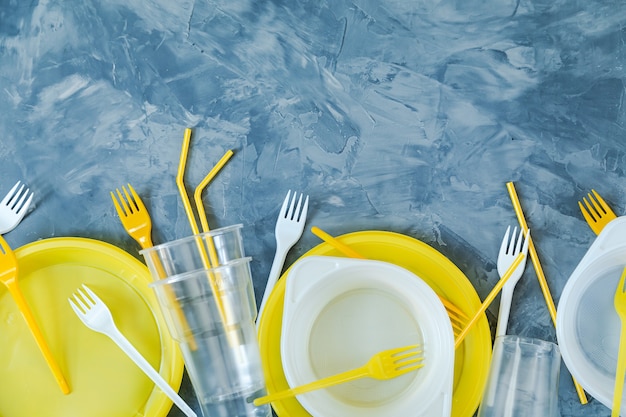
570 350
171 360
407 281
471 298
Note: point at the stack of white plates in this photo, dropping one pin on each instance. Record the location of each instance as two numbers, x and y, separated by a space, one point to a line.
588 327
343 313
339 312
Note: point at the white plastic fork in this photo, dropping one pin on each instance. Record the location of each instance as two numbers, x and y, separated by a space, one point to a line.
514 259
13 207
289 228
509 249
95 314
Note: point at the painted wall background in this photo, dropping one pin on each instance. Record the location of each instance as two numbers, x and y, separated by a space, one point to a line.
408 116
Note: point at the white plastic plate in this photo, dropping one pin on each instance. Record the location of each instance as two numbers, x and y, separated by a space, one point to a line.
339 312
588 326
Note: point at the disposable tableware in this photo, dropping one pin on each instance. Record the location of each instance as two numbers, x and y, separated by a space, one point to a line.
213 306
523 379
470 363
94 313
289 228
508 248
338 312
197 195
8 276
543 282
620 306
457 317
588 325
387 364
513 257
209 259
137 223
134 215
596 211
13 207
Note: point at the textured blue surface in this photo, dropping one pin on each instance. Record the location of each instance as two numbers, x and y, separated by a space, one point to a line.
403 115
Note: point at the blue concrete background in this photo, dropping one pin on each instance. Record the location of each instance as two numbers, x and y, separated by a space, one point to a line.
403 115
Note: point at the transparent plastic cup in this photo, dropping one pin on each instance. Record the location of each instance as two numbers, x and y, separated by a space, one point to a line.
218 246
523 379
208 315
193 253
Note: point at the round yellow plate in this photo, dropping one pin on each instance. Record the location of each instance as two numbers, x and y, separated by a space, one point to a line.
472 359
104 382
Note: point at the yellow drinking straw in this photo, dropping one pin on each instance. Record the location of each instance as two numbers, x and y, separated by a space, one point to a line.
494 292
200 207
543 283
180 182
197 195
349 252
194 225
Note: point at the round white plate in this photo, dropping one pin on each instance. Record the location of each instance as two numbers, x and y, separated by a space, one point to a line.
588 327
339 312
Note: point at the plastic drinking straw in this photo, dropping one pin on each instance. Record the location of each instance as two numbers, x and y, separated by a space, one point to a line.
194 225
348 251
213 258
540 275
494 292
335 243
197 195
180 182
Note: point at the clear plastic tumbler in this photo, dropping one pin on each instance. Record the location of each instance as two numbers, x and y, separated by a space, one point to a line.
218 247
209 314
523 379
202 251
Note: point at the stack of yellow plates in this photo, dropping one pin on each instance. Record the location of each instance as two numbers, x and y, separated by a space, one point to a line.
104 382
473 356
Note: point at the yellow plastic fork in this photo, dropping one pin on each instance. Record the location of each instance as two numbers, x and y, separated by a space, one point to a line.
620 306
136 220
8 276
596 212
134 216
387 364
458 318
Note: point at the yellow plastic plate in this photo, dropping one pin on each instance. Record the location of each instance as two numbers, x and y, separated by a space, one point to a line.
472 359
104 382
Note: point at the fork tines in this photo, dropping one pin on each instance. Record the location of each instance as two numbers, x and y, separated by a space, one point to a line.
15 199
291 211
83 299
596 211
509 244
408 358
595 205
130 202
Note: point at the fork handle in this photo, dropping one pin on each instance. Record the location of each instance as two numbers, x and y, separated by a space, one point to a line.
145 242
619 374
315 385
496 289
275 270
504 311
17 295
145 366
